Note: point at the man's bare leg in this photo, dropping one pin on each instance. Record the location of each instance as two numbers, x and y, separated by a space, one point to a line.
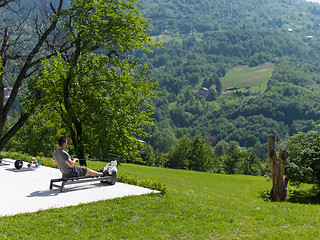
93 173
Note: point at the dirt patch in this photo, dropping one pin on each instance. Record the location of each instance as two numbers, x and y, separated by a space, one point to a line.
262 70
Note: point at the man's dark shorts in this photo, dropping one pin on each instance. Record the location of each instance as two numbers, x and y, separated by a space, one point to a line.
82 171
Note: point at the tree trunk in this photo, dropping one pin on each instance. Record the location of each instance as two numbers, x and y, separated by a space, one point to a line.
77 140
277 166
22 120
80 146
76 127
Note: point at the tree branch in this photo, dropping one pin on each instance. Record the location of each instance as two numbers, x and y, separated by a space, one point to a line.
5 2
28 64
23 118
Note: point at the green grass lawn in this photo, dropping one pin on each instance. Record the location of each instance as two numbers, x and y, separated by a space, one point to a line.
197 205
243 76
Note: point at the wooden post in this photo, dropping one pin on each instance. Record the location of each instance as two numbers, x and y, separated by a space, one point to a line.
277 167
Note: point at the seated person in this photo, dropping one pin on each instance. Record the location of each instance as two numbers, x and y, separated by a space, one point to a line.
67 165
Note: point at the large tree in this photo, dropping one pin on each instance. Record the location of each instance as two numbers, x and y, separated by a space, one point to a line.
99 92
304 161
190 154
97 84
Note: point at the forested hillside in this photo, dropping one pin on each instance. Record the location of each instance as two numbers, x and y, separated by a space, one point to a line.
205 40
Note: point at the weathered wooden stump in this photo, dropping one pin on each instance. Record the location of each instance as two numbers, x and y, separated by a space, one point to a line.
277 166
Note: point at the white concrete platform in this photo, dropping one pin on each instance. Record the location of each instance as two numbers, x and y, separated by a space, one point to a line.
27 190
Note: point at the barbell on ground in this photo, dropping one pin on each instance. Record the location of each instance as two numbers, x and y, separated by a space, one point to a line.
18 164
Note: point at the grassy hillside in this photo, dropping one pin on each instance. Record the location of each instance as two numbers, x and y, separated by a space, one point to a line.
243 76
197 206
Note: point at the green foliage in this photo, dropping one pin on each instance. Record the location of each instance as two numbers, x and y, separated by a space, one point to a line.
289 74
212 94
221 148
111 104
280 105
197 155
147 154
240 162
116 25
38 136
303 164
283 110
204 16
216 42
178 156
163 137
201 155
248 163
102 100
218 84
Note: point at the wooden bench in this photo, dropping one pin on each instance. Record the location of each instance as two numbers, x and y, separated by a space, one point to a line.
75 179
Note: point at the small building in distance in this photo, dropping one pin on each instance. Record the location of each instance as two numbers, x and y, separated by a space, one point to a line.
204 91
231 89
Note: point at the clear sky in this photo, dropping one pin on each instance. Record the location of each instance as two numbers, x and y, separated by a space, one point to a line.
317 1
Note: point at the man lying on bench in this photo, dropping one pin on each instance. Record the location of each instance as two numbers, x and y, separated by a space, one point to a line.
67 165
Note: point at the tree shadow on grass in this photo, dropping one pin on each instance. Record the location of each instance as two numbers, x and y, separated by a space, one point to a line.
300 196
310 196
